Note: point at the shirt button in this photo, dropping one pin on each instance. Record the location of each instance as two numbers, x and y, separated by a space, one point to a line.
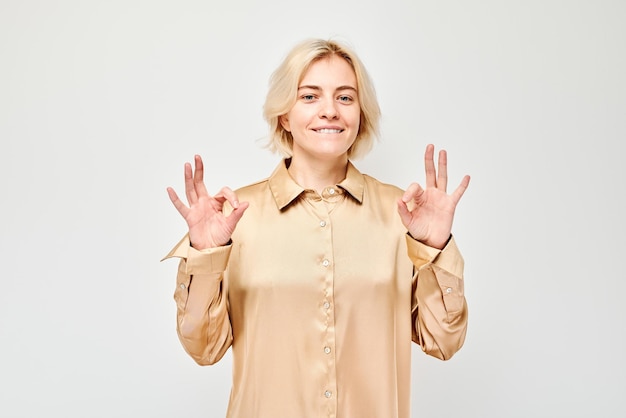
182 286
327 350
331 191
322 224
449 290
325 263
326 305
328 394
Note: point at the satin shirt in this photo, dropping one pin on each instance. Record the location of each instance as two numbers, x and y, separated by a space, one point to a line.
319 298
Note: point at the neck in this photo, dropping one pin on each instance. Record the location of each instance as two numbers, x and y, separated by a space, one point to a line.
318 174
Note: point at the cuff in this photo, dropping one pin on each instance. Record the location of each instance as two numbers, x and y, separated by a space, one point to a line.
207 261
449 258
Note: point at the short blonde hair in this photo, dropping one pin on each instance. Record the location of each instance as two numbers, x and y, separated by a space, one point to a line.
283 91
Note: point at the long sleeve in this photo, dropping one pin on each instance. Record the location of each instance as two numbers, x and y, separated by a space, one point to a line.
439 308
319 302
203 322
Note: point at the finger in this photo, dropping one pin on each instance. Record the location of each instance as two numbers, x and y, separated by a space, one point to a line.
442 170
180 206
460 190
226 194
429 166
190 190
198 177
413 192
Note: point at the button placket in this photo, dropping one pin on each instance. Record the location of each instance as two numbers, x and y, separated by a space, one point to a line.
322 210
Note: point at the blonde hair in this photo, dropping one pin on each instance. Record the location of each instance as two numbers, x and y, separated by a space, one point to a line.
283 89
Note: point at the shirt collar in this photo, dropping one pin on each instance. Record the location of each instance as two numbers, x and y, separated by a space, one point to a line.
285 189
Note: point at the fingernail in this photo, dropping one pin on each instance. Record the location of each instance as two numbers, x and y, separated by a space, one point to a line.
236 204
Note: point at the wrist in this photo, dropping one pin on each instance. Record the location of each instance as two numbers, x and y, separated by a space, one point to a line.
206 245
438 244
434 243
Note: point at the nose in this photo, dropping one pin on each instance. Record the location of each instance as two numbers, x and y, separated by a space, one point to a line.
328 109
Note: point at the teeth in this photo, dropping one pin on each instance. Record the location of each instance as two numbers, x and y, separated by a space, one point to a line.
329 131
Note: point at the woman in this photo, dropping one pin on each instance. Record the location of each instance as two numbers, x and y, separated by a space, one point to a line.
319 276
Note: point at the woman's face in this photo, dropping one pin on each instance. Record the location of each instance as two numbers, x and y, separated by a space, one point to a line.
324 121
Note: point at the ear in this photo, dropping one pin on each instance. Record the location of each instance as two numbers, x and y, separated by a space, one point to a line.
284 122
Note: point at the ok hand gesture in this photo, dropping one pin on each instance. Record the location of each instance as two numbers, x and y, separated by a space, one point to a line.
428 213
208 226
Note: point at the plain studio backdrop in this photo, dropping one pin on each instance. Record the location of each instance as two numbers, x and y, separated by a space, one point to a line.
102 102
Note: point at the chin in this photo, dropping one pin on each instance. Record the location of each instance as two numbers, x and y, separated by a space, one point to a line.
332 154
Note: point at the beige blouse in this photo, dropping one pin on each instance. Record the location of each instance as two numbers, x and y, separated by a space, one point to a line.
319 301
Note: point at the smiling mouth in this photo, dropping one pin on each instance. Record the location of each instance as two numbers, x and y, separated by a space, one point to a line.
328 131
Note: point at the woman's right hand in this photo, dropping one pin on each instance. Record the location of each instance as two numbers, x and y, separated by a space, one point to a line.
208 226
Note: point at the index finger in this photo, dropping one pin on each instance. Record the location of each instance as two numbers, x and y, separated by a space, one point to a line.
227 194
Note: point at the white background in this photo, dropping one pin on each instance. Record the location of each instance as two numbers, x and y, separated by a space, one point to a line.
102 102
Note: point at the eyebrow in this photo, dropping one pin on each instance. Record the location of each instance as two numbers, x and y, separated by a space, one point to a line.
319 88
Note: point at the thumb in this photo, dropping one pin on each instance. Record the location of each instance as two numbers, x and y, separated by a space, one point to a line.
403 211
236 214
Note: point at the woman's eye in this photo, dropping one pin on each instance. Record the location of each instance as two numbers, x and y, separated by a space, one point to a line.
345 99
308 97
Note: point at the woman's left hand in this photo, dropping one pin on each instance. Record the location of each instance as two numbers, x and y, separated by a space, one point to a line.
428 213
